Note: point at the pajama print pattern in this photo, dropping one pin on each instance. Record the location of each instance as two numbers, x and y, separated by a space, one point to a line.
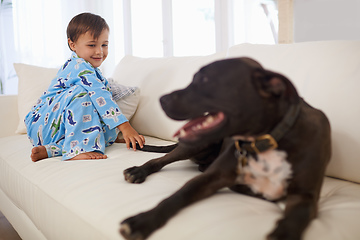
76 114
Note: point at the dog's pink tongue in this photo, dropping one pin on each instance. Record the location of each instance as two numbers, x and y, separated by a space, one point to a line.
199 124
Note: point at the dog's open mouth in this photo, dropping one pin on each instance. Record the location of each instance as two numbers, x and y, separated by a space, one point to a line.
200 125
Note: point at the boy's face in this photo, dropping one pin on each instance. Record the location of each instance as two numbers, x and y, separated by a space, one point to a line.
92 50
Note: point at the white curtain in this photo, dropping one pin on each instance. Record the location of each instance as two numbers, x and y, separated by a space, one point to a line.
40 28
34 32
39 32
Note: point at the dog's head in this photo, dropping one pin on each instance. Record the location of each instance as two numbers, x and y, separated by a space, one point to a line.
230 97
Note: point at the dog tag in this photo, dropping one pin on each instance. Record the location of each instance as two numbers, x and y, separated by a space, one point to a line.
242 159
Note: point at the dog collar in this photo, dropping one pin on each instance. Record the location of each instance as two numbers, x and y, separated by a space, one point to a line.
268 141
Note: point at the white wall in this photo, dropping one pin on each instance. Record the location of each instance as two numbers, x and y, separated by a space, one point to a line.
316 20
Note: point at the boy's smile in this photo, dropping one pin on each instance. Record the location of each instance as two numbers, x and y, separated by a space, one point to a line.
92 50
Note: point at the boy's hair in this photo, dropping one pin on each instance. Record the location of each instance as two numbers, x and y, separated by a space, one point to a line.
84 22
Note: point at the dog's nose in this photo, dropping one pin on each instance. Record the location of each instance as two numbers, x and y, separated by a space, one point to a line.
167 101
164 100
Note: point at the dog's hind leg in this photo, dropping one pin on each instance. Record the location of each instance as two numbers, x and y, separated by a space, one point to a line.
301 203
300 210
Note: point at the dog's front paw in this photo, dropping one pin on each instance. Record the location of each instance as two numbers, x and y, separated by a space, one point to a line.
136 227
135 175
126 232
282 236
284 232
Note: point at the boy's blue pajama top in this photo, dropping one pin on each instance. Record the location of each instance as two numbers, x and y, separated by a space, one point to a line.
76 114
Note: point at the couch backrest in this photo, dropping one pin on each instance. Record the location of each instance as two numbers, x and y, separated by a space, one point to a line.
156 77
8 115
326 74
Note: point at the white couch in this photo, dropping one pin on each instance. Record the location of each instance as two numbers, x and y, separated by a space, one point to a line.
57 200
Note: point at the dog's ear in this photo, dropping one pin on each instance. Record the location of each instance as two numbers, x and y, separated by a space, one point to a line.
271 84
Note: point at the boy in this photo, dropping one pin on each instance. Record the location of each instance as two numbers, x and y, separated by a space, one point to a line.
77 117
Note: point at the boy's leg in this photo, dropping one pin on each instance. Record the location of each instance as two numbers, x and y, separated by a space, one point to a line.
110 135
45 131
84 137
55 126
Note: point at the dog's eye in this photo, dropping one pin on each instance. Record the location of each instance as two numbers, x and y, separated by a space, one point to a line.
202 80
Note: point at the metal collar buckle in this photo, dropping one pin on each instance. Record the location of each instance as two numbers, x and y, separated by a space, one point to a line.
271 143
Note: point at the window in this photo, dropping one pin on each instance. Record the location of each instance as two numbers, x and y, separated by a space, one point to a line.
188 27
193 27
146 25
255 22
145 28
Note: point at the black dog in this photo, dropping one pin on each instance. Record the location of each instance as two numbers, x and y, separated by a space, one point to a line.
249 131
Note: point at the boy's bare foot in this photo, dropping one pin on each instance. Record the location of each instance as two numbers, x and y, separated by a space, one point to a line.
38 153
89 155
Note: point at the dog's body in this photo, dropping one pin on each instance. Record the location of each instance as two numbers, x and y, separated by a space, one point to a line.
258 138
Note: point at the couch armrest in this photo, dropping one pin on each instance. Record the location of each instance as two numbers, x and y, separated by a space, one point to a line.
9 117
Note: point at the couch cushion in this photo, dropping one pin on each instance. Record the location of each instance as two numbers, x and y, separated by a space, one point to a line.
327 75
72 200
34 80
156 77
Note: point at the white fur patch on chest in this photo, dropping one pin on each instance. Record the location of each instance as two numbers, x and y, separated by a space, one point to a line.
267 175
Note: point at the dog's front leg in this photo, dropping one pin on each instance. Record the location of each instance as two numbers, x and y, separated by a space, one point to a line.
222 173
138 174
299 211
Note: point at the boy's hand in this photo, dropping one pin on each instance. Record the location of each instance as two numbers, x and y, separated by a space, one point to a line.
131 136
